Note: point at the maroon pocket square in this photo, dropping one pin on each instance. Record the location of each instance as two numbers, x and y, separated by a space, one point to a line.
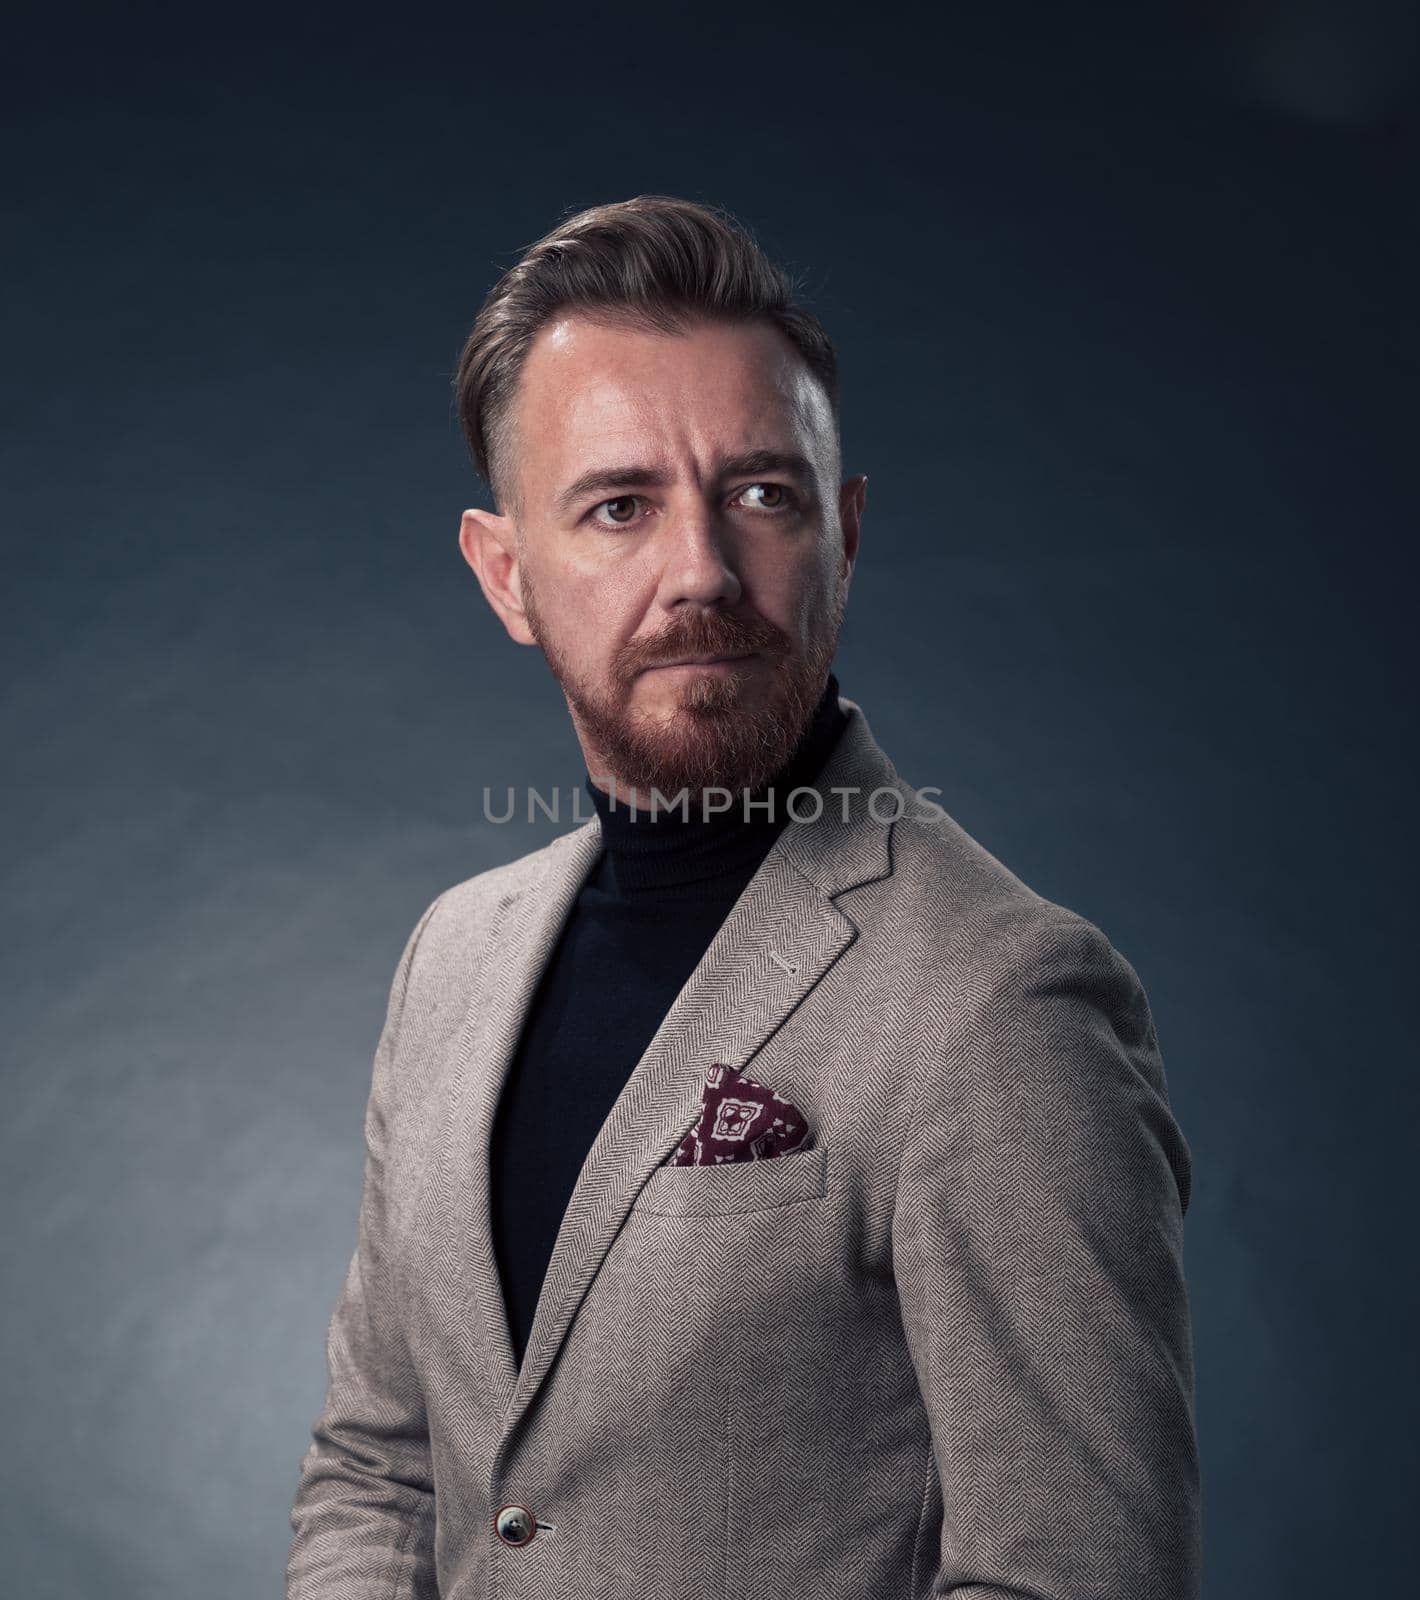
740 1120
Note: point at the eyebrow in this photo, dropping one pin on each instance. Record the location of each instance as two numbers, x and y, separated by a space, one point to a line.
600 479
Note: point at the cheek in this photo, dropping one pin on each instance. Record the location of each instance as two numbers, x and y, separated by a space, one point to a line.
594 614
793 591
594 607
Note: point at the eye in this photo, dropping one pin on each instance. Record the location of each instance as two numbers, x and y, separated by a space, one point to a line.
779 497
623 502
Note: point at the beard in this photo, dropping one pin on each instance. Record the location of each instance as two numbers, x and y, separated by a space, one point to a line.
715 736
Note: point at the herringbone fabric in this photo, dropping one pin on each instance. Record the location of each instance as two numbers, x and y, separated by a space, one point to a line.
943 1350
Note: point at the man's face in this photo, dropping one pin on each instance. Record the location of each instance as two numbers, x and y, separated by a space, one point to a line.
678 498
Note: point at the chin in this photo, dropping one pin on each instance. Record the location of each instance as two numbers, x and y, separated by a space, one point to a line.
707 694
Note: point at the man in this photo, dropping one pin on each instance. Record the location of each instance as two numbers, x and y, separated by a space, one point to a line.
774 1198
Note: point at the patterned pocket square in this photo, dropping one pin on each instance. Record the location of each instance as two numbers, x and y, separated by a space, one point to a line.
740 1120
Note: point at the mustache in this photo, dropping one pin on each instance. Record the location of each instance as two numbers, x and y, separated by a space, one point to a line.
703 633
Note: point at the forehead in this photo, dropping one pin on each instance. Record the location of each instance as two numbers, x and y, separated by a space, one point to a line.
590 390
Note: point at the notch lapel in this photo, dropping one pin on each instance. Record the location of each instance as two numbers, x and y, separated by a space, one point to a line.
780 938
733 1001
457 1213
736 998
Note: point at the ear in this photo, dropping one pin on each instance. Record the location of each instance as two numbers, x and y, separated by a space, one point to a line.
489 543
852 497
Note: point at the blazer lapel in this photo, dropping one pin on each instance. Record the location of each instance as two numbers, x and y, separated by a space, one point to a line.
781 937
519 942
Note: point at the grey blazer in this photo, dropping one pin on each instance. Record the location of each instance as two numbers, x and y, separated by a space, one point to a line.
944 1351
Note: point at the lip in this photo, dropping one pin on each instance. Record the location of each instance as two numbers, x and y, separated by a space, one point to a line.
701 661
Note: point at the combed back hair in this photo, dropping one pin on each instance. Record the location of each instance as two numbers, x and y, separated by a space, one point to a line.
653 262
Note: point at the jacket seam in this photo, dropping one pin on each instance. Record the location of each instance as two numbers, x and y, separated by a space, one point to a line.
922 1510
406 1533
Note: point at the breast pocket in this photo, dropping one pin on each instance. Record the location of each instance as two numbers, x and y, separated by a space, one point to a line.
734 1186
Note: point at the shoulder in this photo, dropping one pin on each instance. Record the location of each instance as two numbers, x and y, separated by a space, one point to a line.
460 918
1034 1032
991 965
979 916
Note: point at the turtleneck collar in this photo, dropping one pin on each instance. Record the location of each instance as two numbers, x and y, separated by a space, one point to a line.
687 854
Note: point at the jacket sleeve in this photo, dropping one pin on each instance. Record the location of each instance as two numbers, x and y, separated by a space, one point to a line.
1038 1250
363 1515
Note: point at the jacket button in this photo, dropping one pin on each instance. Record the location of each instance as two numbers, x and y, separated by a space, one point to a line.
515 1524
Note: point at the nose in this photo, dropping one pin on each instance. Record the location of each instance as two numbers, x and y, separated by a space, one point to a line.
699 564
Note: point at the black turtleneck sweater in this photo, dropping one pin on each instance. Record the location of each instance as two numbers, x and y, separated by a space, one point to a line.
652 903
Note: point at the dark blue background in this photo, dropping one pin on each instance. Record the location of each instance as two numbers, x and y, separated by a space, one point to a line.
1125 305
